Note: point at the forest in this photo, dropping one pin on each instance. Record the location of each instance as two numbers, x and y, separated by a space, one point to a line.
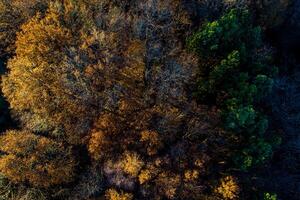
149 99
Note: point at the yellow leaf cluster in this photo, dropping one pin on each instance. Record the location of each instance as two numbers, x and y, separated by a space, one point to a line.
191 175
131 163
144 176
228 188
113 194
148 173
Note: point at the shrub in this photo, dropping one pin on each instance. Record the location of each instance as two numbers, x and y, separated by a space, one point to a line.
191 175
144 176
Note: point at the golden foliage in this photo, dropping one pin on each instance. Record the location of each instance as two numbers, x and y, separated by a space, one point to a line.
98 145
228 188
43 39
38 160
131 163
45 85
29 84
13 13
103 136
191 175
152 141
148 173
65 71
144 176
113 194
135 53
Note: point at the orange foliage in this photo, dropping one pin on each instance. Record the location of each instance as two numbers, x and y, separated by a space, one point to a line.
38 160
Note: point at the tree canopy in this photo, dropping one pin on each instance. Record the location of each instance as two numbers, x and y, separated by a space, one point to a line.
111 101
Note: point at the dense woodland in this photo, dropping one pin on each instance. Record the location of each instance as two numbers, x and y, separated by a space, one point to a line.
149 100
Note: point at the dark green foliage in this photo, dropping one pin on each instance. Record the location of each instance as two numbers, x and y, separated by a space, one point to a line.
257 152
237 76
240 118
264 85
232 31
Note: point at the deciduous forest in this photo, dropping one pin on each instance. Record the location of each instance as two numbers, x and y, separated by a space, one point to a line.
150 100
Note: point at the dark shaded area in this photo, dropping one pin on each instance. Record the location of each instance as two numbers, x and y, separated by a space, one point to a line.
6 121
283 174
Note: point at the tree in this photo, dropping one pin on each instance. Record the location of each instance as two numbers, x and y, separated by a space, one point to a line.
220 37
237 76
36 159
64 74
